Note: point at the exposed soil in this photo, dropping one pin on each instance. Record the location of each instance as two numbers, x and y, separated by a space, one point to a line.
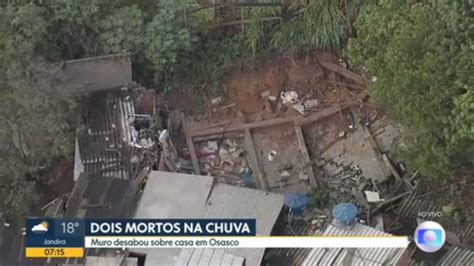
244 86
243 93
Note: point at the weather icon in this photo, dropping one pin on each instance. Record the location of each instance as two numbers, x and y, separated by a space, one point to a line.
40 228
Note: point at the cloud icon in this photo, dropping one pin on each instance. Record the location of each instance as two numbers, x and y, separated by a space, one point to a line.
40 228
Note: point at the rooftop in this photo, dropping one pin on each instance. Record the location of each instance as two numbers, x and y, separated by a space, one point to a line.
102 197
97 73
174 195
349 256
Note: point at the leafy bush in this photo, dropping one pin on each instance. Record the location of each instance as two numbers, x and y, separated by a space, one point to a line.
123 30
421 55
321 25
166 37
210 60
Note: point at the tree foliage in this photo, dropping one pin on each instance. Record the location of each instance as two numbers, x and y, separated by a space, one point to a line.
123 30
166 37
422 55
33 117
321 25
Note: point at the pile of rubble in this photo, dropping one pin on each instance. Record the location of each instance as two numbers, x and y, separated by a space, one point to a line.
226 160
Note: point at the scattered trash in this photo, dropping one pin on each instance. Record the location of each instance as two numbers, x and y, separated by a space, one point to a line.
341 134
216 101
373 196
289 97
272 155
147 143
284 174
212 145
6 224
303 177
272 98
163 136
311 104
134 159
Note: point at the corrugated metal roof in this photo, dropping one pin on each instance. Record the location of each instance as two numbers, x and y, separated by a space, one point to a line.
102 197
296 255
412 206
217 257
174 195
103 136
363 256
457 256
171 195
110 261
205 257
228 201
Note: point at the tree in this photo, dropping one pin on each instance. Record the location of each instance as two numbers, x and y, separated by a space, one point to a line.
34 130
167 37
123 30
421 57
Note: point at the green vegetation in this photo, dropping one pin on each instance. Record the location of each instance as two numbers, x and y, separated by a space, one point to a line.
422 56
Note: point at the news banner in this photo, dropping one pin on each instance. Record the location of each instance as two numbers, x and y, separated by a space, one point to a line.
63 238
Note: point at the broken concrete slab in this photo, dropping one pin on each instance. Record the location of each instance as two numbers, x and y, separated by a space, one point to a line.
357 149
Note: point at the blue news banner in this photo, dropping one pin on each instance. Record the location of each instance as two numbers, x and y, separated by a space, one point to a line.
66 237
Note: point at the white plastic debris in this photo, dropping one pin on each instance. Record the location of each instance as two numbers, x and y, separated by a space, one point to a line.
163 136
284 174
216 101
372 196
289 97
303 177
272 98
134 159
212 145
133 134
147 143
6 224
374 79
341 134
272 155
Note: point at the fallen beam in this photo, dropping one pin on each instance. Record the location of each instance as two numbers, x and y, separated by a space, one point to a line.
261 181
190 144
343 71
297 120
307 160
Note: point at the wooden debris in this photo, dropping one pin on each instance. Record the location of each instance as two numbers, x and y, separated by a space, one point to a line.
307 160
260 179
190 144
344 72
297 120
